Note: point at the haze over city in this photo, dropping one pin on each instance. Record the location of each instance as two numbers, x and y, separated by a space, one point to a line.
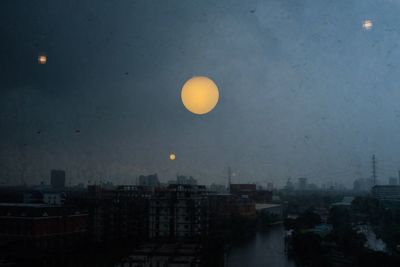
199 133
305 90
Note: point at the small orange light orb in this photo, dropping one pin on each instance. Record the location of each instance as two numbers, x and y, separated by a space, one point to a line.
172 156
42 59
367 24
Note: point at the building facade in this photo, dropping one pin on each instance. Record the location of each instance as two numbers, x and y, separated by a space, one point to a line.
119 214
387 193
178 212
41 226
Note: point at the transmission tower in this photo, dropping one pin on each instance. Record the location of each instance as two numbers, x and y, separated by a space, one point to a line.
374 168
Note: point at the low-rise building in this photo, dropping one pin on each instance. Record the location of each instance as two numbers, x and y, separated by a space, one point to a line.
387 194
41 226
44 197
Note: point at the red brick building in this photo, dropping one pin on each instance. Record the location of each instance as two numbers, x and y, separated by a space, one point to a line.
41 226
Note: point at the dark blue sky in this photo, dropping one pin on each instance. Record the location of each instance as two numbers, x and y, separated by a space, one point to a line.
305 90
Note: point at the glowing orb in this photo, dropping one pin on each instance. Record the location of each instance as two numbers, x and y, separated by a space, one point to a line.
42 59
172 157
200 95
367 24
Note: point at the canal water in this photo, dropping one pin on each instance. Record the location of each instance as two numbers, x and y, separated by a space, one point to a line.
266 248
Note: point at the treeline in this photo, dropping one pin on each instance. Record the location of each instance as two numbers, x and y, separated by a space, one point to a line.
343 245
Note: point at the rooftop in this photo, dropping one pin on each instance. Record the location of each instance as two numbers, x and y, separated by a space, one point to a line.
261 206
28 205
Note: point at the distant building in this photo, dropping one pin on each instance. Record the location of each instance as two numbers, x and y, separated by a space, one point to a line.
218 188
263 196
270 186
387 193
244 190
312 186
363 185
302 184
289 185
181 179
44 197
57 180
392 181
149 180
185 180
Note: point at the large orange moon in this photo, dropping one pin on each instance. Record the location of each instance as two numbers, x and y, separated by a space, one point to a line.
200 95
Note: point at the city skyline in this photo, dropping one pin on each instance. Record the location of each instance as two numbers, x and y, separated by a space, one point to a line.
308 89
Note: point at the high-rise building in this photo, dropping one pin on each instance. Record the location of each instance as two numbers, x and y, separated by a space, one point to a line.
57 180
149 180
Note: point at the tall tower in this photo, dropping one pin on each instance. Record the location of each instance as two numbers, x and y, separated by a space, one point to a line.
374 169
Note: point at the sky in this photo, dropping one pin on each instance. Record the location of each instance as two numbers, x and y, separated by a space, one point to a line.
305 91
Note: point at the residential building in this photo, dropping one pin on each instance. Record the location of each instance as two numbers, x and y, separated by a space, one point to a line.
119 214
389 194
178 212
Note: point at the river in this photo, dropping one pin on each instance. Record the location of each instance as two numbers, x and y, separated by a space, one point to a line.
265 248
